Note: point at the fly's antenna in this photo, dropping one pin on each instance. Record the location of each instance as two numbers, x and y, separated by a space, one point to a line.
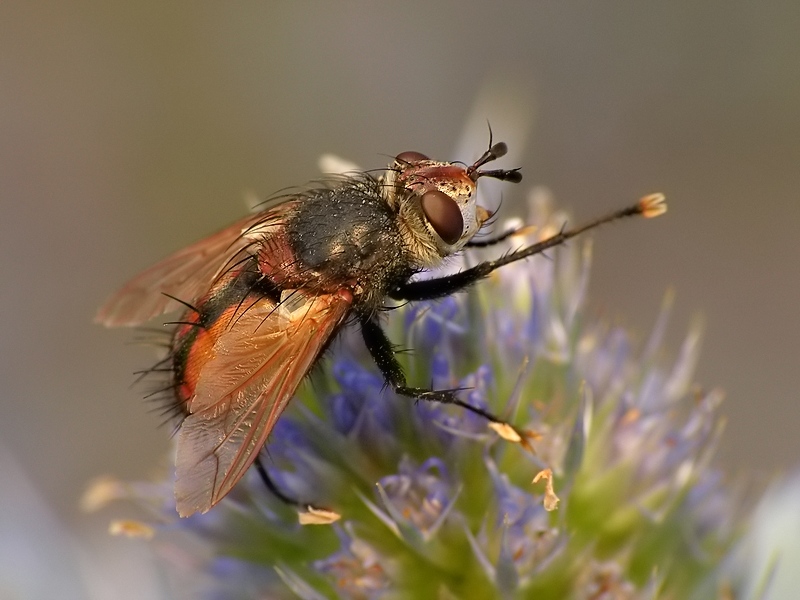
494 152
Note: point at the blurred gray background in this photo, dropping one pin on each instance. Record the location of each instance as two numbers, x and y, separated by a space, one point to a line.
128 130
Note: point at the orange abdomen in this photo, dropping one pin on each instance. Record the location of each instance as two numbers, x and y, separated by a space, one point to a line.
197 333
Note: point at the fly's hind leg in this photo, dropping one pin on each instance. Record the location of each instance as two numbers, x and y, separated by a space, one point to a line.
272 486
309 513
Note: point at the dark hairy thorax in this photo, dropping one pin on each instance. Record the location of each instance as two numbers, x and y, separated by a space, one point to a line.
349 237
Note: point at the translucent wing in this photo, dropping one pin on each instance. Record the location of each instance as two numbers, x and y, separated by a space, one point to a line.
255 368
187 274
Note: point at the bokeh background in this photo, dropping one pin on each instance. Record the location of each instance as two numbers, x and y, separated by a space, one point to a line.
128 130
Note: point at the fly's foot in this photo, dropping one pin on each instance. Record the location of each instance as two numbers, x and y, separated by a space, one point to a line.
307 514
505 430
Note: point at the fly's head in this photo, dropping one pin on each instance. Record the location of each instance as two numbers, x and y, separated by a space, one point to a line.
437 201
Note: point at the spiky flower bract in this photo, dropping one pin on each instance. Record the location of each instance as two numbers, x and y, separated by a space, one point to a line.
436 504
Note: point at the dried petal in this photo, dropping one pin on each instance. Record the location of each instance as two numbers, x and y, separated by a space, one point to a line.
506 431
550 501
131 529
317 516
100 492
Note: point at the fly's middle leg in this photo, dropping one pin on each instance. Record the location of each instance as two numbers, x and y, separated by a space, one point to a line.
383 353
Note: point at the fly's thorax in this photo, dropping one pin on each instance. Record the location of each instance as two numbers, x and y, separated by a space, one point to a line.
347 236
437 206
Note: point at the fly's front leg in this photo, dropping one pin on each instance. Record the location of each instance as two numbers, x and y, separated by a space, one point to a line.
382 352
430 289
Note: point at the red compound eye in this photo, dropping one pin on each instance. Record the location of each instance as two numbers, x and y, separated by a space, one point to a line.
410 157
444 215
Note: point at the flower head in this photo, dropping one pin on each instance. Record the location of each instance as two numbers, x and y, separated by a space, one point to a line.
435 503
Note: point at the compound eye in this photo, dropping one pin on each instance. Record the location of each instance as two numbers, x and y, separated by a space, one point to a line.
444 215
410 157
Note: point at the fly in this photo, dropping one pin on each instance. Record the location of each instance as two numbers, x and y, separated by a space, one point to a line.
263 298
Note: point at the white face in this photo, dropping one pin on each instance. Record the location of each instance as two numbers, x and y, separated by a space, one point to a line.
441 211
447 199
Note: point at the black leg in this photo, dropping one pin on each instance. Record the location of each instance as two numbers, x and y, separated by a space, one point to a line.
430 289
382 351
473 243
262 471
308 513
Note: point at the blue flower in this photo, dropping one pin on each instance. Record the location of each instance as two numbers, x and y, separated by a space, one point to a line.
435 504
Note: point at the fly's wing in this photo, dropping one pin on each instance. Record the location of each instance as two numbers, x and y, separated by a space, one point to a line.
187 274
256 365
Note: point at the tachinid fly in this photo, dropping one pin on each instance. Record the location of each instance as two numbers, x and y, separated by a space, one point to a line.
263 298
